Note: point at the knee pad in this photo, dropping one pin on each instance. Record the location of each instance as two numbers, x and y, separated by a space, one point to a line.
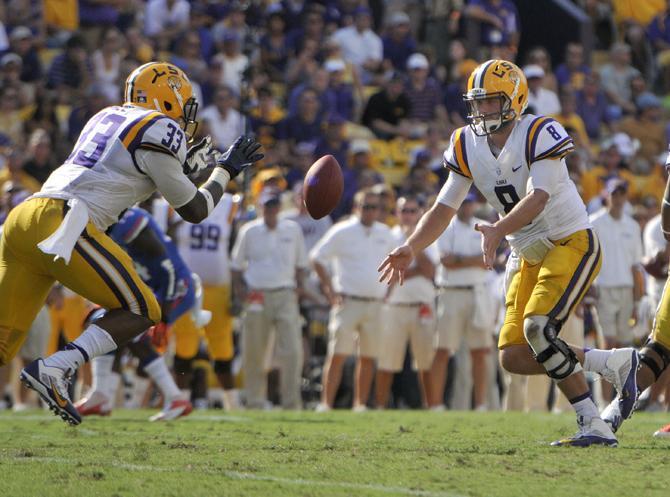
223 367
182 366
550 351
650 360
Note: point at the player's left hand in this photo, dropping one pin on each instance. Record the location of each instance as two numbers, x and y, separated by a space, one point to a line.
198 156
396 263
491 238
240 155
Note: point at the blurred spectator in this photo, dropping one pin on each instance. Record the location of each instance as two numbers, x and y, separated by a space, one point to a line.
616 76
10 76
303 158
22 43
302 67
265 116
573 70
569 118
464 306
234 25
59 15
398 42
658 32
540 100
360 45
334 140
500 21
620 281
352 250
420 180
138 48
646 126
387 204
233 62
188 57
409 314
70 70
318 82
540 57
387 111
642 57
453 96
40 162
95 100
310 30
424 94
11 120
222 120
615 153
274 50
592 106
268 265
355 175
11 169
106 62
201 24
340 94
166 18
303 126
312 229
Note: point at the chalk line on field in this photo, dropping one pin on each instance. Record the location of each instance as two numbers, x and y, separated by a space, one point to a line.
236 475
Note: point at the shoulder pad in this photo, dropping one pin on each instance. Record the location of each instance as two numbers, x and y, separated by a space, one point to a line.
546 138
456 156
129 226
155 131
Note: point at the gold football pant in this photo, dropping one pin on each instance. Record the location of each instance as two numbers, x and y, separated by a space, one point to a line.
552 287
99 271
219 331
661 330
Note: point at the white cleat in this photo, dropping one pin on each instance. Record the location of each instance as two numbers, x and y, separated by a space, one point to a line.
663 432
621 371
321 407
175 409
52 386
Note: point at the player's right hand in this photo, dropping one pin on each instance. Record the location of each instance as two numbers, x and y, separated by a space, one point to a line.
395 264
240 155
197 157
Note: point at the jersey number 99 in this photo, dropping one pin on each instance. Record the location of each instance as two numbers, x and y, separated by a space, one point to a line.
205 237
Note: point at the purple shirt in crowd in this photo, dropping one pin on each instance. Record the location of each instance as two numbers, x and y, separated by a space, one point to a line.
593 114
507 13
398 53
424 101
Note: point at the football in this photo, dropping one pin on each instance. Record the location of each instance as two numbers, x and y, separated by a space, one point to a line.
323 186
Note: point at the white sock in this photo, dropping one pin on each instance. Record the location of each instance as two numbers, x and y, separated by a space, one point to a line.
585 407
158 371
101 369
595 360
93 342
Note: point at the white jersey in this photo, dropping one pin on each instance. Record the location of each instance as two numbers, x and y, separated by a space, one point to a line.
504 180
204 246
103 169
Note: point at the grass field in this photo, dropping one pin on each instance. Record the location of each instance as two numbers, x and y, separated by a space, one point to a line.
388 453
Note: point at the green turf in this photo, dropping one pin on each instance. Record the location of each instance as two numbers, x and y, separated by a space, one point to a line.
335 454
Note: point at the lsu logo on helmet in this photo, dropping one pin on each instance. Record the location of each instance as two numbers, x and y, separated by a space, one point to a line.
497 93
166 88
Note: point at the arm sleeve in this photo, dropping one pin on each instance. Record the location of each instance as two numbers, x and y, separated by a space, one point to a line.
168 176
545 175
454 190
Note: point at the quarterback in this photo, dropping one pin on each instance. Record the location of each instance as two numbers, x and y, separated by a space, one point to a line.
517 162
124 154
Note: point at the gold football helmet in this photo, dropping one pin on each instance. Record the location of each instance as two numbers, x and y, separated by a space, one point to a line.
499 82
164 87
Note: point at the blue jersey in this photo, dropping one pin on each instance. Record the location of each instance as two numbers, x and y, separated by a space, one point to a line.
168 277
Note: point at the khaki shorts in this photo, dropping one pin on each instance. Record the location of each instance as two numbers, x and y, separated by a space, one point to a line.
455 312
35 345
615 307
403 323
355 321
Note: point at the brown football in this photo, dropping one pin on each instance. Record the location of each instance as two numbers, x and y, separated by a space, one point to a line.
323 186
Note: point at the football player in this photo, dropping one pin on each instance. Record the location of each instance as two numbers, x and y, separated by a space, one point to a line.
655 354
161 267
205 249
517 162
123 154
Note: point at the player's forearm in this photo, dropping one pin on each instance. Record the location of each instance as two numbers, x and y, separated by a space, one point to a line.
430 227
206 198
524 212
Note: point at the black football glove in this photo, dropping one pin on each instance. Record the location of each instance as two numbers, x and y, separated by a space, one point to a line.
240 155
198 156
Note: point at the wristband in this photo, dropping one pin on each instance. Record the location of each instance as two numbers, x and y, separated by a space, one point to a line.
220 176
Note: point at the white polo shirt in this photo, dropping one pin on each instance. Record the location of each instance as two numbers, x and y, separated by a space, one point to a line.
354 252
269 258
419 288
654 242
460 239
621 244
358 47
224 130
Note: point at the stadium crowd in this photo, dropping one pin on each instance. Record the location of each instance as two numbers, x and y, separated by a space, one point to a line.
378 85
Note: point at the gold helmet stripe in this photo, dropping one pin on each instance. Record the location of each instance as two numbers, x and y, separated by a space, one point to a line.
130 84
